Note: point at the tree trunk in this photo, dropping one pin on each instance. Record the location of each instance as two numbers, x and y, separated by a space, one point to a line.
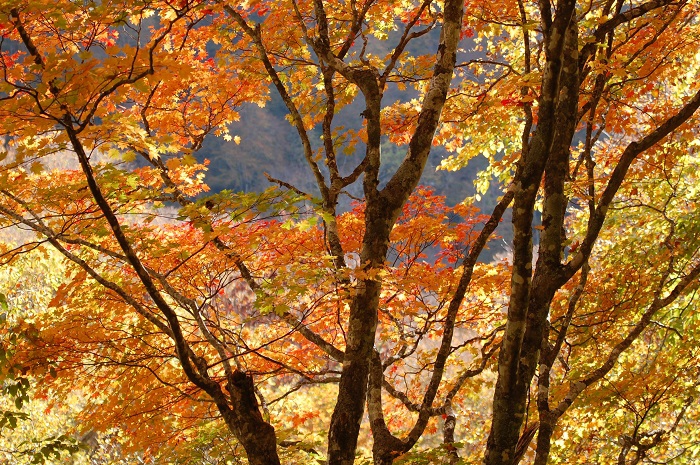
528 300
349 408
246 422
544 438
362 322
382 210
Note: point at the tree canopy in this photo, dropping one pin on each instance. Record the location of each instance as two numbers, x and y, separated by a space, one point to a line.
267 326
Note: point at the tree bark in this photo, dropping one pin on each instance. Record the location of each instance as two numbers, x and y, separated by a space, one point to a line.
448 434
382 210
362 322
246 422
516 364
241 412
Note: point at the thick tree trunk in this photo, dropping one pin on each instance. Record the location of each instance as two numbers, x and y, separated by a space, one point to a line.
246 422
349 408
530 300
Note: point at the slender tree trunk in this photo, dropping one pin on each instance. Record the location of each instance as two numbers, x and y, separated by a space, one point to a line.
448 434
386 446
382 210
362 322
544 438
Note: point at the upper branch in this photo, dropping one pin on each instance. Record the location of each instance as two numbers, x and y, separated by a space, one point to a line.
407 175
26 38
588 50
631 152
185 355
255 35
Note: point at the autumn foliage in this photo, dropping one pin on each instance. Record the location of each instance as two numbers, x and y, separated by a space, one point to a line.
266 326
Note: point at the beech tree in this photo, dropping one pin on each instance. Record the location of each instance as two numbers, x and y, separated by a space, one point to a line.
585 111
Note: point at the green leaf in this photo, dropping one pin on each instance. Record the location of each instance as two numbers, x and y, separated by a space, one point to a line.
129 156
61 22
189 160
142 86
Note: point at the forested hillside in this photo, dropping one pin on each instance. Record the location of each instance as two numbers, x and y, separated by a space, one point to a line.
270 145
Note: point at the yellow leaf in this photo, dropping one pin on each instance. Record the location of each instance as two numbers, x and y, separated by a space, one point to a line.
36 167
